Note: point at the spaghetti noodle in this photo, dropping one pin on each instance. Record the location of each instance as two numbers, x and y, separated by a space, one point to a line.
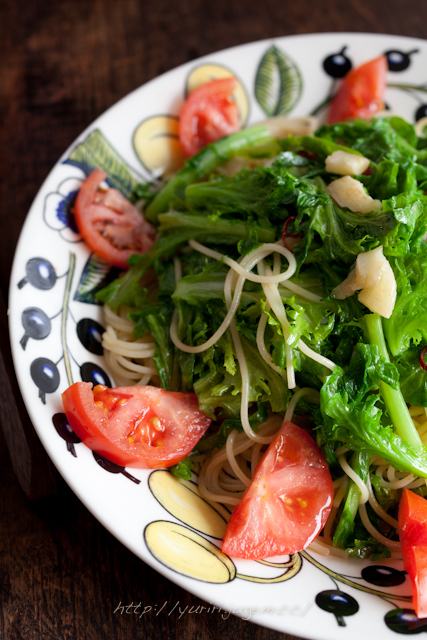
224 475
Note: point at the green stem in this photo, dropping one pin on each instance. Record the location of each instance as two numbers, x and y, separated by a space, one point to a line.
393 398
321 106
360 464
408 87
204 162
351 583
203 226
320 146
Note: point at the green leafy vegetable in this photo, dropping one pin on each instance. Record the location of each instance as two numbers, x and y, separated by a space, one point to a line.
363 401
360 464
413 378
376 139
206 161
390 392
217 439
182 469
352 413
408 323
361 545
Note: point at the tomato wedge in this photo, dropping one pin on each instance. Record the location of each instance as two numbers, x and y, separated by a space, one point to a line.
415 559
142 427
287 503
413 538
109 224
208 114
361 92
412 519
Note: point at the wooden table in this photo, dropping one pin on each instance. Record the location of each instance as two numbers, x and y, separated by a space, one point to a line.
62 63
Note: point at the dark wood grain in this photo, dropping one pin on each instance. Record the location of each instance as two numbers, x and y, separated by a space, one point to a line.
62 63
35 472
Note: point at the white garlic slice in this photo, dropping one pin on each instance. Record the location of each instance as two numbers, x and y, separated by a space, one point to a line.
347 287
381 298
372 274
346 164
348 192
369 267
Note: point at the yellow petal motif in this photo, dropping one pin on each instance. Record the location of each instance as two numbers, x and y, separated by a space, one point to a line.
206 73
182 499
156 144
291 569
186 552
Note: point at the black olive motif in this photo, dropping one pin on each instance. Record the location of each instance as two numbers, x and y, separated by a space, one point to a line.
112 467
337 602
39 273
383 576
399 60
45 375
91 372
421 112
90 335
337 65
64 429
36 323
405 621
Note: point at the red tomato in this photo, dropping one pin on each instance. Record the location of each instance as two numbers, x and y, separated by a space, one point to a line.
208 114
288 502
412 518
143 427
361 92
416 565
110 225
413 538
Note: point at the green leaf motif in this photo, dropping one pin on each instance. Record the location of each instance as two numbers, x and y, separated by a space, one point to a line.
96 275
278 83
95 151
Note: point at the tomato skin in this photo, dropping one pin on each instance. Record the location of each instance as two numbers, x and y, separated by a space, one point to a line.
120 424
361 92
287 503
208 114
416 566
412 518
413 537
109 224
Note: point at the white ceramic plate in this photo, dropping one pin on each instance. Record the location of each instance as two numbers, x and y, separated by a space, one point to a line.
55 342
